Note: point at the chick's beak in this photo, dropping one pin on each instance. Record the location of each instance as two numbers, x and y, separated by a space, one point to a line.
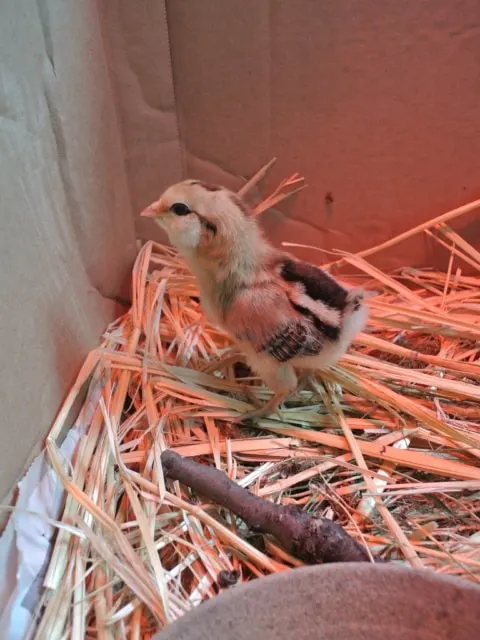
152 211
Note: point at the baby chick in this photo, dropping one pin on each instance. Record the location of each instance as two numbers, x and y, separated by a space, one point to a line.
284 314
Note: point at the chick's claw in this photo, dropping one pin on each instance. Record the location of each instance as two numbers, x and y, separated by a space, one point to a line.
265 411
252 398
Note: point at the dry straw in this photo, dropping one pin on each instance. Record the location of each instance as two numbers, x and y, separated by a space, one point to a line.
388 444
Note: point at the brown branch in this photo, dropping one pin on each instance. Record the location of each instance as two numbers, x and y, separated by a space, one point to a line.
314 540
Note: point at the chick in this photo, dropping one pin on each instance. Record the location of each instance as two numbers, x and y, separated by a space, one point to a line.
285 315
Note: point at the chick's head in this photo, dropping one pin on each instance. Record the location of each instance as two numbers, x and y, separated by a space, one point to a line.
202 218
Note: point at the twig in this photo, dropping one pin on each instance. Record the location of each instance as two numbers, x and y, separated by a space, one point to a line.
314 540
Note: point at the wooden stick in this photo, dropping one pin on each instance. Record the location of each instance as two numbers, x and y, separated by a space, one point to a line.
312 540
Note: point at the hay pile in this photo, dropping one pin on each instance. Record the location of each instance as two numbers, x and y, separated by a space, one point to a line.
388 445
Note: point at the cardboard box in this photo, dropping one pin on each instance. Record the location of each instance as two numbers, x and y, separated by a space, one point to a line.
104 104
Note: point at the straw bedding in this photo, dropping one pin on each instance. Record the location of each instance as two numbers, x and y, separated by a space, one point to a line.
387 444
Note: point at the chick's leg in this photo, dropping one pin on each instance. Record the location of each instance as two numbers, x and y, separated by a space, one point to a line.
251 397
282 380
266 409
309 381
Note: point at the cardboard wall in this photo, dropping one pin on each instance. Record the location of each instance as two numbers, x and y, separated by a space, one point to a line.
66 228
373 102
138 41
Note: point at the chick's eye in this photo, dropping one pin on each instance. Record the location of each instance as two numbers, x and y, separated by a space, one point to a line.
180 209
